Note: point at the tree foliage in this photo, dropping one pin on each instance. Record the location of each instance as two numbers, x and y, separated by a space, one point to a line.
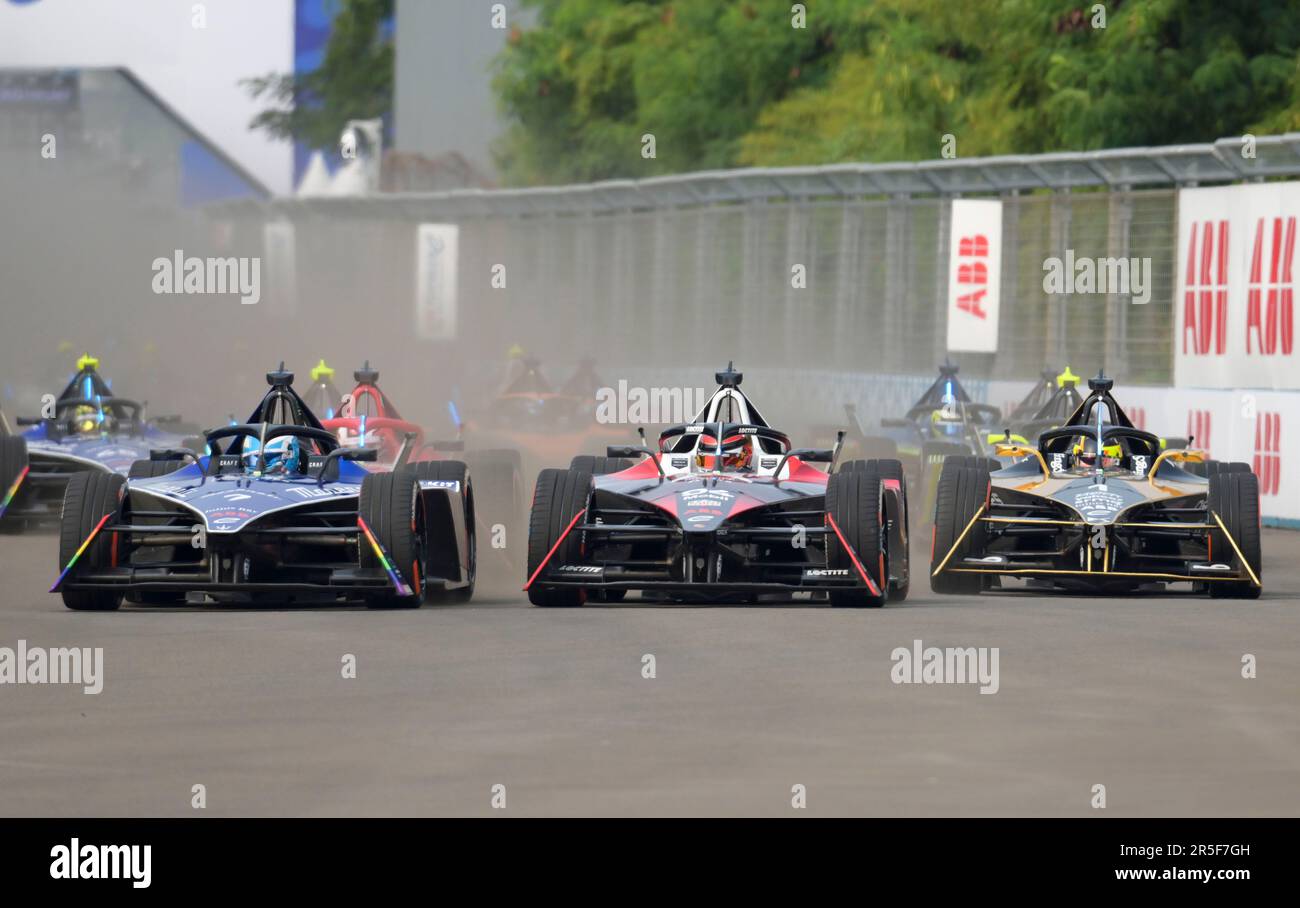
723 84
353 82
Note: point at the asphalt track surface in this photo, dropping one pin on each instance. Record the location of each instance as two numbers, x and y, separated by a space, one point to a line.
1143 695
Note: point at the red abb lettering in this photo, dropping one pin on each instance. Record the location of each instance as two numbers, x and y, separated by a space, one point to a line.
1205 297
973 274
1269 303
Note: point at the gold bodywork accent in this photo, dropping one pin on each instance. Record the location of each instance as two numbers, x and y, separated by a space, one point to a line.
1022 451
1244 562
1036 520
1017 571
958 542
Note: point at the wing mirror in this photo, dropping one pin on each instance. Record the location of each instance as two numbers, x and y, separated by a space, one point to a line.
159 454
813 455
808 455
634 451
329 470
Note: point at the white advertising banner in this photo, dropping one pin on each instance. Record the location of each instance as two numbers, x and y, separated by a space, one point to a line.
1234 308
435 281
974 275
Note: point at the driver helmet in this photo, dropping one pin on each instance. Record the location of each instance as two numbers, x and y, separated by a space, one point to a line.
737 453
1085 453
282 454
85 420
946 422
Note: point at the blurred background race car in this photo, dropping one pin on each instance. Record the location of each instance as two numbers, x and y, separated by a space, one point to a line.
86 428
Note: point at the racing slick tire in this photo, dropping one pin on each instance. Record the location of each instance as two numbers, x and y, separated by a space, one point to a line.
1210 467
557 499
893 469
855 501
599 466
13 457
88 497
391 506
962 492
499 494
459 472
989 464
929 468
1234 496
890 469
148 469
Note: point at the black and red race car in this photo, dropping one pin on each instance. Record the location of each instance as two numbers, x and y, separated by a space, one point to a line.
368 418
545 425
724 509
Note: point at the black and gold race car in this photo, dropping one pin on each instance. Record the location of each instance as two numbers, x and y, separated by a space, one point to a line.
1097 505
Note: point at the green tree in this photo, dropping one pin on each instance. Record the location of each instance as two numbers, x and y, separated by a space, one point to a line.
725 84
583 87
354 81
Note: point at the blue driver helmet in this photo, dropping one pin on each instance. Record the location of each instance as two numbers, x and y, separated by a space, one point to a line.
282 454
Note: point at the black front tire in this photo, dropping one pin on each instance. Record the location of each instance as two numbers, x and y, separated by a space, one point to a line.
557 499
393 509
987 464
88 497
148 469
13 457
1234 496
855 500
962 492
599 466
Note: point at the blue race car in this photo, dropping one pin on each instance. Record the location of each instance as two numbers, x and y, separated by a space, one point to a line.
85 429
275 510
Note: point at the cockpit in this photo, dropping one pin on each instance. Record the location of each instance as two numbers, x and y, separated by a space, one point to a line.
728 436
1083 450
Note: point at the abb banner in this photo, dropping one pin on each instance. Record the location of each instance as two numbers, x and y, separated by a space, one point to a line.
1235 302
974 275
